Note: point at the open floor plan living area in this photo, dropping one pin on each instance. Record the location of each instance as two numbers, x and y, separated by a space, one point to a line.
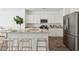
39 29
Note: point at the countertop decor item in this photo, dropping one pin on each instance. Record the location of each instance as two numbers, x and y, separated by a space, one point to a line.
18 20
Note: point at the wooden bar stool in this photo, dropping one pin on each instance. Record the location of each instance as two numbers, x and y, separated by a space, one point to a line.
42 45
25 45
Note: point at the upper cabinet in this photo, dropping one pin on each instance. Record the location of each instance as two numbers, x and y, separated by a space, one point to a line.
33 19
53 15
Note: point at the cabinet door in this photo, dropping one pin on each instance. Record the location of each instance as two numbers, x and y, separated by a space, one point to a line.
33 19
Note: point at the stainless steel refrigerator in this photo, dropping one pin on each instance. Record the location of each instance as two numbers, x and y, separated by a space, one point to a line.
71 31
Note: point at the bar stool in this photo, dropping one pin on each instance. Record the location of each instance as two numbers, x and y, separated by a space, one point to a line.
15 44
10 45
25 45
4 45
0 46
1 43
42 45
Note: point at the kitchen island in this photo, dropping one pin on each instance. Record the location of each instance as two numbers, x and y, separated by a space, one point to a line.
34 36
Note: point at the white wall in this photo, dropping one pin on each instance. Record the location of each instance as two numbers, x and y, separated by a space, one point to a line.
70 10
53 16
6 17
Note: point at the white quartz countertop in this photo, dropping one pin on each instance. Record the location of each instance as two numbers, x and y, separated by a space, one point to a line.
28 32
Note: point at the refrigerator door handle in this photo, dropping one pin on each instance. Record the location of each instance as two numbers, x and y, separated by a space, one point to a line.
68 24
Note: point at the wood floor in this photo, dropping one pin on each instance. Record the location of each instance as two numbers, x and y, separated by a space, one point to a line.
56 44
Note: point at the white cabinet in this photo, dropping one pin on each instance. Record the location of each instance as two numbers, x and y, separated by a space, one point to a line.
53 16
33 19
50 18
